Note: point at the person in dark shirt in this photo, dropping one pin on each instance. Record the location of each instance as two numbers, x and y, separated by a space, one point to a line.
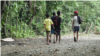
52 30
57 23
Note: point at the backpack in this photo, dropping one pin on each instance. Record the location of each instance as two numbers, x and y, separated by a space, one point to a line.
79 20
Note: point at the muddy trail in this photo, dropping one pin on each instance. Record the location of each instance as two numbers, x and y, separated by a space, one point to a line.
86 46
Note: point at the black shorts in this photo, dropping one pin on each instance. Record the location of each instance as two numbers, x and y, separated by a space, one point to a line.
76 28
56 31
47 32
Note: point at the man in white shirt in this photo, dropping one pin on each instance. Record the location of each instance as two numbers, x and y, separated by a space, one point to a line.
75 25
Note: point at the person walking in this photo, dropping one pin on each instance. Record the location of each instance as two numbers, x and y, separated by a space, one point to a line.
52 30
76 25
47 27
57 23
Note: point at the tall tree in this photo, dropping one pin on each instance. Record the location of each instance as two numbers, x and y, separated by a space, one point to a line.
3 3
4 7
34 12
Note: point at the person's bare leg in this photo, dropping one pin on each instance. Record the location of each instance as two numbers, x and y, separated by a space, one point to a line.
56 37
77 35
74 34
47 37
50 36
59 38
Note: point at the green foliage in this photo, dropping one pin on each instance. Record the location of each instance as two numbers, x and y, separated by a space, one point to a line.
17 15
51 6
87 11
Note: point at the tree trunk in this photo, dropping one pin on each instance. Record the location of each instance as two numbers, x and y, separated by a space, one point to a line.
3 3
86 29
89 28
34 13
3 31
7 2
1 15
29 3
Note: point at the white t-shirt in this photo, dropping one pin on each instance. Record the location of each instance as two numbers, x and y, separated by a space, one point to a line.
76 21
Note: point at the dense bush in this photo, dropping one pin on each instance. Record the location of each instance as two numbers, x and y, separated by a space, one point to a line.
21 19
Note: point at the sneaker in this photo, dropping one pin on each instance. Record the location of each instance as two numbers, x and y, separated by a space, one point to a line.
54 42
50 41
74 39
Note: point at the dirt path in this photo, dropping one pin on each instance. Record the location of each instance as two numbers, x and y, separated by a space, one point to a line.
88 45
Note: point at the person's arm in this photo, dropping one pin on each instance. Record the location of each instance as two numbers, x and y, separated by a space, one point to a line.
53 26
81 19
60 20
73 23
44 27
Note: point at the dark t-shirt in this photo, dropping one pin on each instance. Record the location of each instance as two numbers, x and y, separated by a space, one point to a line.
57 22
52 20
